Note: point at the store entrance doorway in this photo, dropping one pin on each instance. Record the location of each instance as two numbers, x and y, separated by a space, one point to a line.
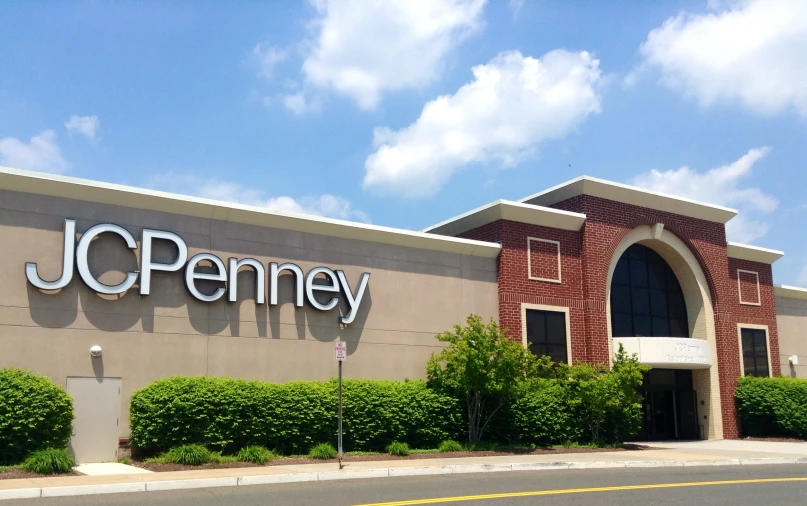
669 406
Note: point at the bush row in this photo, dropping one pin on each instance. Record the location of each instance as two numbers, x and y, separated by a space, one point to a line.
772 406
35 414
228 414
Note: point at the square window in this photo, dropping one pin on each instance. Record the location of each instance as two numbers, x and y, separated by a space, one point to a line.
621 273
620 299
546 334
656 271
622 325
658 303
638 273
661 327
678 328
642 326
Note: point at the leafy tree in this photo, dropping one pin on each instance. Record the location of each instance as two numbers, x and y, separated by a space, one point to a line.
484 367
609 404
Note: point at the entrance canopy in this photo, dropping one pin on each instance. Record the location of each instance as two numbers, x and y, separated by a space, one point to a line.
668 352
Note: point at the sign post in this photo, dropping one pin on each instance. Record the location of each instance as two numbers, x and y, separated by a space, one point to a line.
341 354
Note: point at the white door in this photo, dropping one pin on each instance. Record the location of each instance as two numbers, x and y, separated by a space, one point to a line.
97 408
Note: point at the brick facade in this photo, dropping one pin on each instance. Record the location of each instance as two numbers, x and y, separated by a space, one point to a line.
585 262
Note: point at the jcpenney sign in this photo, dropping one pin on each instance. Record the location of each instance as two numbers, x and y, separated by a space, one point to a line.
330 282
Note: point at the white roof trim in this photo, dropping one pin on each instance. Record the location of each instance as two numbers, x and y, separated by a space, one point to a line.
753 253
792 292
509 210
139 198
631 195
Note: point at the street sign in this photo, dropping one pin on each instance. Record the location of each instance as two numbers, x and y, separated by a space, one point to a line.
341 350
341 354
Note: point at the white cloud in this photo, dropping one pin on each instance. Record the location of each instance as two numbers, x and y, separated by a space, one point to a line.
299 103
751 51
720 186
513 104
83 125
40 153
211 188
266 59
362 48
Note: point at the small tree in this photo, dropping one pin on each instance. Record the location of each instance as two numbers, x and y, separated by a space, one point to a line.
483 367
609 398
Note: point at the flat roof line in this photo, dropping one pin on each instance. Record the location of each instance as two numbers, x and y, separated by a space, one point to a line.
155 200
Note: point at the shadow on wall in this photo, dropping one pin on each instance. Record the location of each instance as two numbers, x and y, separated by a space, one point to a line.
169 299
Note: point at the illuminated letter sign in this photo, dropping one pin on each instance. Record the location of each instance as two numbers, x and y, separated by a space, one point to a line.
319 281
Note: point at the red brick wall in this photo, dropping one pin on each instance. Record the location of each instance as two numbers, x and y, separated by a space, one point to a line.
585 260
606 225
515 287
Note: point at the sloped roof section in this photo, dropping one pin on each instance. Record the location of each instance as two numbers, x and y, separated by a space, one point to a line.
753 253
587 185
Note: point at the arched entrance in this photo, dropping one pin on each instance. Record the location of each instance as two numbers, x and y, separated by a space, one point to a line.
658 306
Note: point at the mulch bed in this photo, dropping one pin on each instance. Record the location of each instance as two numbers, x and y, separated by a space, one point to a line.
16 474
383 456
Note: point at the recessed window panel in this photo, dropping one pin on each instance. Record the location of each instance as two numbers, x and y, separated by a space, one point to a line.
646 298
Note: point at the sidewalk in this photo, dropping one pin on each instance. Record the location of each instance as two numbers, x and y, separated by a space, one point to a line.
701 453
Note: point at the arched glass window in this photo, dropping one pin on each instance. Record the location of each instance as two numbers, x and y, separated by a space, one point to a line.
646 299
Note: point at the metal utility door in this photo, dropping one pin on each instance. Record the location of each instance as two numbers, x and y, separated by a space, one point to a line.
97 408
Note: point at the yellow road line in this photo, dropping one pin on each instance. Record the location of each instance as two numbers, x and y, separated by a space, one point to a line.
438 500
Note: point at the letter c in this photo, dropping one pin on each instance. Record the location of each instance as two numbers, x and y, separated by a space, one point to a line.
83 264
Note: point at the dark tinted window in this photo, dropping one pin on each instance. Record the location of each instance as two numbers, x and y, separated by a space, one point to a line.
755 352
546 334
646 298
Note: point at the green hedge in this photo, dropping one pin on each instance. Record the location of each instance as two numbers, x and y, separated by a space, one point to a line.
35 414
547 415
772 406
229 414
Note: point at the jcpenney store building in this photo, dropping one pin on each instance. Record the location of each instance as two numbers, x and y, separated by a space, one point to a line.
107 288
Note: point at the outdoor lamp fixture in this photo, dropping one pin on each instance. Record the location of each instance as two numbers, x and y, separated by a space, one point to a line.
95 351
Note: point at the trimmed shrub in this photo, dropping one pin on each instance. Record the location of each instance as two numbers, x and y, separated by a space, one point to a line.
398 449
545 415
450 445
35 414
256 454
772 406
229 414
189 455
49 461
323 451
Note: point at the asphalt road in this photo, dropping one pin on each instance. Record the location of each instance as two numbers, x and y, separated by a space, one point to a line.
767 485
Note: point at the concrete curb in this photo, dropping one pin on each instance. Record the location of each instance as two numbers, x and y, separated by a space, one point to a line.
384 472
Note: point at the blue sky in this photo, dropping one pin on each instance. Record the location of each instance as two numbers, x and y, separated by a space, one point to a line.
407 113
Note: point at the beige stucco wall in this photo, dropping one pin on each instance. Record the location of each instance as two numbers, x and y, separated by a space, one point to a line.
412 295
791 323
